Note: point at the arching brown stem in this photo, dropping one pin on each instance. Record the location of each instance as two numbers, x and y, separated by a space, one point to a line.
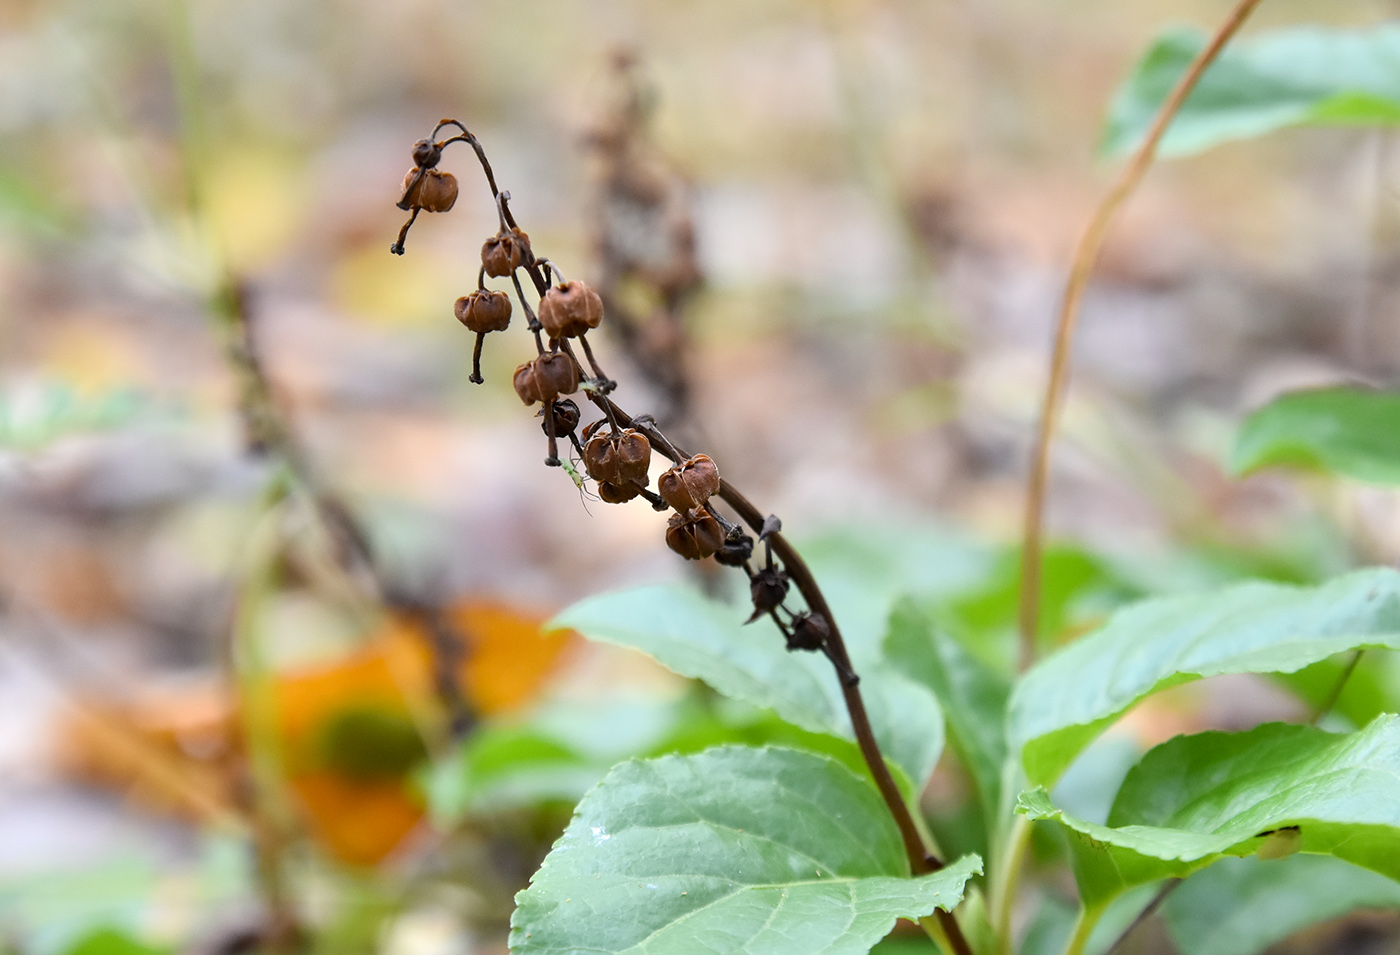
1086 255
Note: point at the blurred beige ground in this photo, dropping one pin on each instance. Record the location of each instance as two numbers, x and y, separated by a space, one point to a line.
884 198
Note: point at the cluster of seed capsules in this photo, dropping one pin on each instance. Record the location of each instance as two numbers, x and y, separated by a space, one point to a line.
615 452
616 457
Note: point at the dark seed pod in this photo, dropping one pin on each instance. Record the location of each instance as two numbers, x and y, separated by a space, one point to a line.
695 535
426 154
546 378
484 311
768 589
738 547
809 632
617 493
505 252
690 484
570 309
618 457
565 417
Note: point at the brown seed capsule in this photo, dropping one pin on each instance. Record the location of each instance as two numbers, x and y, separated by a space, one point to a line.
505 252
618 457
809 632
617 493
484 311
690 484
570 309
694 535
412 189
565 417
438 191
768 589
546 378
738 547
433 191
426 154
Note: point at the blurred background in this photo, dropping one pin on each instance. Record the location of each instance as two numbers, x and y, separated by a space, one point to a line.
272 571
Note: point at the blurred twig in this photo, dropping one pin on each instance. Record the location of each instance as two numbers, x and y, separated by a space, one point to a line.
1333 695
1085 257
645 242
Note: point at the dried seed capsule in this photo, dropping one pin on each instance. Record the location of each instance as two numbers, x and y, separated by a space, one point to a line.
565 417
546 378
618 457
505 252
690 484
570 309
437 191
412 189
809 632
694 535
768 589
484 311
426 154
738 547
617 493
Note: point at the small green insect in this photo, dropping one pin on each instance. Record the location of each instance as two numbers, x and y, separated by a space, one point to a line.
572 472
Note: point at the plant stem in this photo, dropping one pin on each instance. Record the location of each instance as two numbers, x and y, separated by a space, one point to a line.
1167 889
1006 877
1085 257
1084 925
1335 693
921 860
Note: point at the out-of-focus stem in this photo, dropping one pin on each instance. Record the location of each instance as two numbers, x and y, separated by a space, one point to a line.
1086 255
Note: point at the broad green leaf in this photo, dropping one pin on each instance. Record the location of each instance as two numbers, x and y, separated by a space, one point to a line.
972 696
734 850
1069 698
1304 75
1354 432
1197 798
706 640
1242 906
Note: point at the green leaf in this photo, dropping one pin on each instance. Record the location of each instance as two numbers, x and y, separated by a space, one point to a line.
1304 75
1354 432
1197 798
734 850
973 696
564 749
1067 699
1075 584
1242 906
708 641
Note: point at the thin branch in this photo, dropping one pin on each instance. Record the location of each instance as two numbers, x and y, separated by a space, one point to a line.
1085 257
1167 889
1330 700
269 430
